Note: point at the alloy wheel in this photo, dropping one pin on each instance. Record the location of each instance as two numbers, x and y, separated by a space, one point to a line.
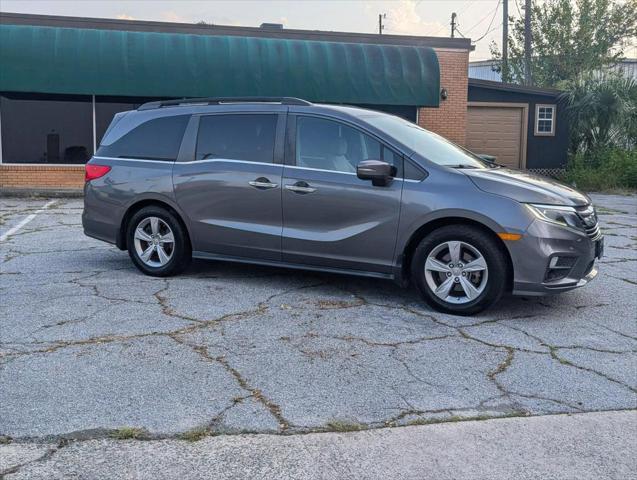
154 242
456 272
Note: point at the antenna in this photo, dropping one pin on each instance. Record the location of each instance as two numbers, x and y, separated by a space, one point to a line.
381 27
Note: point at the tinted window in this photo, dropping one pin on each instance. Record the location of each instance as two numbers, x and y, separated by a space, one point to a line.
394 159
428 144
107 107
157 139
248 137
412 172
46 128
330 145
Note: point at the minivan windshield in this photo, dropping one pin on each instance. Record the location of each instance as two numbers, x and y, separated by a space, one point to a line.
428 144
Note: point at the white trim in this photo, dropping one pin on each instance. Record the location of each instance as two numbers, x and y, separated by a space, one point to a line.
190 162
224 160
136 160
553 108
451 49
319 170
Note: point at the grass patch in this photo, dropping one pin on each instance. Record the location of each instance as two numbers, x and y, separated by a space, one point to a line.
611 170
5 440
344 426
460 418
129 433
195 434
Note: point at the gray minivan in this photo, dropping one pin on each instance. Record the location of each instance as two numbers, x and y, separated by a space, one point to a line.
282 181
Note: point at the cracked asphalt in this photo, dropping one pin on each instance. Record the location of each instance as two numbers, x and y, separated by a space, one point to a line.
89 345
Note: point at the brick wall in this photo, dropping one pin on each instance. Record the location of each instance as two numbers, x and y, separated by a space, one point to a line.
450 119
41 176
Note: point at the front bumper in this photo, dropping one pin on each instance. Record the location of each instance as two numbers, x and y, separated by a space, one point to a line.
543 241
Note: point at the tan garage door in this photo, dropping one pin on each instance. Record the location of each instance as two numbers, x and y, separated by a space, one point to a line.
497 131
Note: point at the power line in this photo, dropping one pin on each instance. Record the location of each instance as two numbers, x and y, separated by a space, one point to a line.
496 28
494 12
497 7
467 6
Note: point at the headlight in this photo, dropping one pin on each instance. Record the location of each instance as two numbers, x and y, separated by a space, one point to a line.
562 215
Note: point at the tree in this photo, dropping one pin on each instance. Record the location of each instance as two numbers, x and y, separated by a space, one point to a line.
602 110
569 38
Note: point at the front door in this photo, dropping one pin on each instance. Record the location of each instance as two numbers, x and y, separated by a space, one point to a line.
231 191
331 218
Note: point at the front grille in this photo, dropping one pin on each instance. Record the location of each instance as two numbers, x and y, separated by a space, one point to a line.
588 216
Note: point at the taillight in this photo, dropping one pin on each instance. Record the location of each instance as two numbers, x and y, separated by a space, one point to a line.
92 172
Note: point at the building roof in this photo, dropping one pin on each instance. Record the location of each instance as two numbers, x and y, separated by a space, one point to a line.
207 29
92 61
484 69
511 87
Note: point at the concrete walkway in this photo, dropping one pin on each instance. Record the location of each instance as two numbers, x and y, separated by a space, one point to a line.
579 446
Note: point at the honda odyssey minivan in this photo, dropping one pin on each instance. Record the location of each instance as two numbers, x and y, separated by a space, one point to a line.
284 182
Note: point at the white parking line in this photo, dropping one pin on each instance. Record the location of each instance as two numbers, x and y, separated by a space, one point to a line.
26 220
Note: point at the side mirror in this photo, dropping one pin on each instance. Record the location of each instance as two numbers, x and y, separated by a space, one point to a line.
487 158
380 173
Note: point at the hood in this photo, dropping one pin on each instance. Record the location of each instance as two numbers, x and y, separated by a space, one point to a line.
526 187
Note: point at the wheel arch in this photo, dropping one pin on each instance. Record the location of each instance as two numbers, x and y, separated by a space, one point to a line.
428 227
147 202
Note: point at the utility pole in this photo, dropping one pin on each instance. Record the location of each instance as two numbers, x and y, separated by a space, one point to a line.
527 42
505 41
381 27
453 24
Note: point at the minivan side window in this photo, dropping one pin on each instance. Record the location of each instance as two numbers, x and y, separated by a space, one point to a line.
156 139
329 145
247 137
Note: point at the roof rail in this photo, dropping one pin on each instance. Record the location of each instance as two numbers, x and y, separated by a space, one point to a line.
220 100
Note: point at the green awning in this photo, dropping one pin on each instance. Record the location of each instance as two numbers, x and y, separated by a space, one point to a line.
150 64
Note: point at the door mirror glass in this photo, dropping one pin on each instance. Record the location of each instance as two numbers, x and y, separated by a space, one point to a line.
380 173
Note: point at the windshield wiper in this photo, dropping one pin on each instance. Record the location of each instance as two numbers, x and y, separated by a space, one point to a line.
462 165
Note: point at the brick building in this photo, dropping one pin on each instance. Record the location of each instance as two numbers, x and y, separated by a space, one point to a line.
63 78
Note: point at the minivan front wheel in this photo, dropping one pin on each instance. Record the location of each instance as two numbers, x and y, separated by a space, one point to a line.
157 243
459 269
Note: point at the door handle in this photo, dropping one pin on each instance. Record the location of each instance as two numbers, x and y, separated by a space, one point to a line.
300 187
263 183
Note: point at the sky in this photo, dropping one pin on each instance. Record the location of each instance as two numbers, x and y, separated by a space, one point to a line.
476 18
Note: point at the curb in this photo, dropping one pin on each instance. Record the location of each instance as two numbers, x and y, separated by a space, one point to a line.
41 193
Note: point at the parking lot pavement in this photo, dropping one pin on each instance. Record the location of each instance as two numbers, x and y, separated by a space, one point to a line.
88 345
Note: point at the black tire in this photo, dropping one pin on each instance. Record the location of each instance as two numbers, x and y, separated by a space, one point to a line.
181 254
496 260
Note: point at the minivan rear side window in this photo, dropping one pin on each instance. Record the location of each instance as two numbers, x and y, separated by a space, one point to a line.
156 139
247 137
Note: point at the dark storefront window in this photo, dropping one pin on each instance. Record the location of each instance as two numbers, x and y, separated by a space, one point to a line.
46 128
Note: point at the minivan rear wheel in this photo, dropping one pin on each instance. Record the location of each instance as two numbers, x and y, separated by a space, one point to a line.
459 269
157 243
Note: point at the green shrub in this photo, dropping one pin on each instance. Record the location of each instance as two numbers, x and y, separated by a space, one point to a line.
603 169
